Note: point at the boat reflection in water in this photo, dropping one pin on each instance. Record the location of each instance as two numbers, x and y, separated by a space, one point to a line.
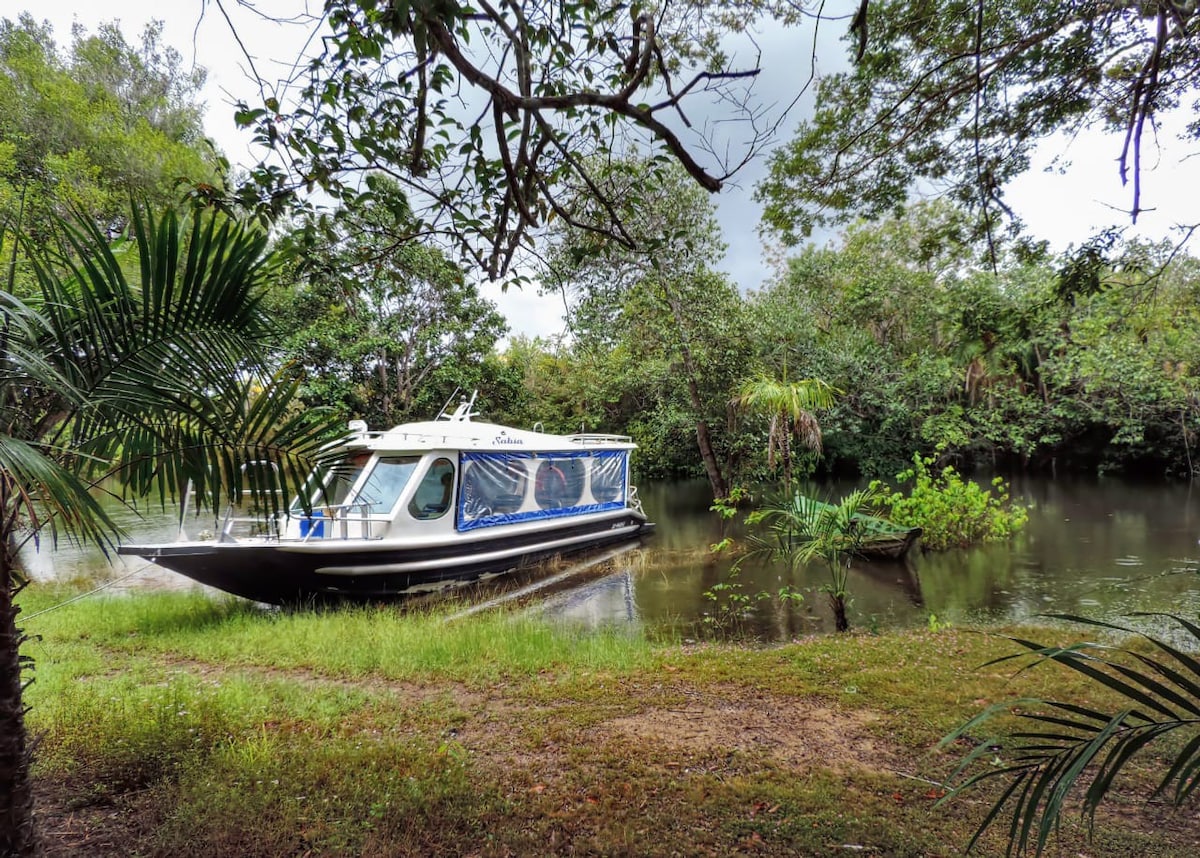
418 507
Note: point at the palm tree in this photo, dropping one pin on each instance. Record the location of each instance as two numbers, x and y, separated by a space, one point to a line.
788 407
801 529
143 384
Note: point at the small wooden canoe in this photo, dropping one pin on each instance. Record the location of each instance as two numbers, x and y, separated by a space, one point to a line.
879 538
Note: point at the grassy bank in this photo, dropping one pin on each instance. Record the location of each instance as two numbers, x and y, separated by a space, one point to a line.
171 724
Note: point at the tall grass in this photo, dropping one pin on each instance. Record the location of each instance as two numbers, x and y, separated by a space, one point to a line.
269 730
352 642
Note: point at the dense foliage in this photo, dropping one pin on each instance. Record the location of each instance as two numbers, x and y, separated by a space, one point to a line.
1046 364
375 323
657 312
82 130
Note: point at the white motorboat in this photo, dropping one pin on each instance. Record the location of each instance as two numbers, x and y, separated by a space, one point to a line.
417 507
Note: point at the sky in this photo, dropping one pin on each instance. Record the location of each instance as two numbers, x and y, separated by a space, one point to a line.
1062 206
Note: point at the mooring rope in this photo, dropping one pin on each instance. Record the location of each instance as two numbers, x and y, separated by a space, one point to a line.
99 589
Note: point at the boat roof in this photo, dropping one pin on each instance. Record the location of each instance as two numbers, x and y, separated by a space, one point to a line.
458 431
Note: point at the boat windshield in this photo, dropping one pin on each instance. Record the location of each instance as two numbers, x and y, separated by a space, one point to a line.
386 482
331 487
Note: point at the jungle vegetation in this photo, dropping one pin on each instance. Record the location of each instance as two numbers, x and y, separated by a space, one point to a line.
934 328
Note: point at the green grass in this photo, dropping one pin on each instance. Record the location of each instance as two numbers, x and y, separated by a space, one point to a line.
349 642
179 725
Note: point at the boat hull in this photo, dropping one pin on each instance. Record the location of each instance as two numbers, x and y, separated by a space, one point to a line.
888 547
282 572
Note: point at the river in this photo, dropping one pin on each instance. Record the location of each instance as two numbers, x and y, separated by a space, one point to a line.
1100 547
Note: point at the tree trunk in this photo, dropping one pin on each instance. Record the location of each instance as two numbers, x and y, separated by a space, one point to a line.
715 478
841 622
17 836
712 467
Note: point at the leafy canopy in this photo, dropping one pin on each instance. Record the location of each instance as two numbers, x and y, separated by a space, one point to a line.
382 324
955 96
493 116
82 129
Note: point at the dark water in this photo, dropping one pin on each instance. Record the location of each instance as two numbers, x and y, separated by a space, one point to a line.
1103 548
1100 548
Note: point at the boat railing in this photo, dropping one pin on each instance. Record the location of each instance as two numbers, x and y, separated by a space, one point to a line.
600 438
253 523
339 517
633 501
334 521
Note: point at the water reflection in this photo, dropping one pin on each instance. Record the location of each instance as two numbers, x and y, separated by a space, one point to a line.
1100 547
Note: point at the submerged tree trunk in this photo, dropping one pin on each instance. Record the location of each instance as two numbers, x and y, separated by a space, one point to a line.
17 836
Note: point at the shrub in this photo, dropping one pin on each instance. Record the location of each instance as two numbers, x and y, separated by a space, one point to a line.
952 512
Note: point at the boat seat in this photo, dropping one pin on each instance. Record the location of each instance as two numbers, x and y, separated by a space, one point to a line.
507 503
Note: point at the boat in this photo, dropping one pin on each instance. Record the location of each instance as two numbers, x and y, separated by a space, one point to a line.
875 538
890 543
419 507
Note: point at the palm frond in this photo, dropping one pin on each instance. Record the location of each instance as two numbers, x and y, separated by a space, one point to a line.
42 495
788 407
159 382
1086 746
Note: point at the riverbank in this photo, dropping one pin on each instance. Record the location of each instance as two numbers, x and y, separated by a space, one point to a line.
172 724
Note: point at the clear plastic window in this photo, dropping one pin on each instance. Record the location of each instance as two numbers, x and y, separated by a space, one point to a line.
435 493
493 486
608 478
559 483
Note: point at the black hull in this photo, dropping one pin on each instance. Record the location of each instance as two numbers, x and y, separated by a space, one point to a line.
280 573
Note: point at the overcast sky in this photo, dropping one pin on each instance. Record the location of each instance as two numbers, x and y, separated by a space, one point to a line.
1062 207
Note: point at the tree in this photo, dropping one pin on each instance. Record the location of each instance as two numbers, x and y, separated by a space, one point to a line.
788 407
494 116
82 130
956 96
380 317
1123 356
151 383
609 286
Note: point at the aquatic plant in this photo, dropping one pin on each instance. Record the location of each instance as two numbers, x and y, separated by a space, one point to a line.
732 604
951 512
801 529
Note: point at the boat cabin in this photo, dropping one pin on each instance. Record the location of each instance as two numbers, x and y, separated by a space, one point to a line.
454 475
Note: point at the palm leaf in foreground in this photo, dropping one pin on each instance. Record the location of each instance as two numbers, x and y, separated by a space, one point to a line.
145 385
1070 747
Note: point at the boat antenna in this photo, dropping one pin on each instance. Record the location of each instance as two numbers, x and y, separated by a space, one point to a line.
443 414
464 410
